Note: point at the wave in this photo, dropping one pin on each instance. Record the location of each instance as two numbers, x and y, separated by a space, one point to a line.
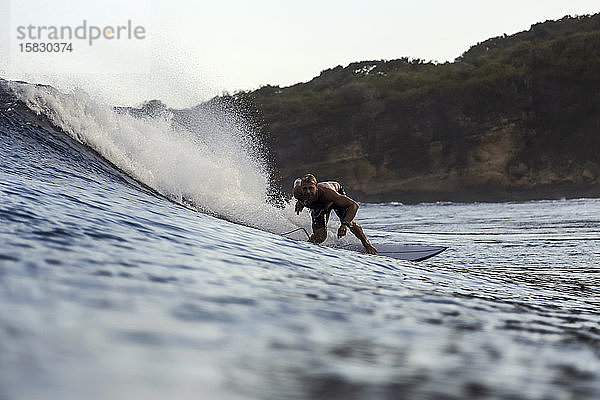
205 158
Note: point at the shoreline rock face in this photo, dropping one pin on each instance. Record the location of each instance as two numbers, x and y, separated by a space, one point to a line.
514 118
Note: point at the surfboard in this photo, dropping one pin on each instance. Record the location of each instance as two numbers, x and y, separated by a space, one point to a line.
408 252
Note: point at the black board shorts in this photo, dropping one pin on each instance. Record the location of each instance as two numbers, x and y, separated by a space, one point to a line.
320 216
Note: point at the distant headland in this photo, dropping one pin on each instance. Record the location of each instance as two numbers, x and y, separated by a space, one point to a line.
514 118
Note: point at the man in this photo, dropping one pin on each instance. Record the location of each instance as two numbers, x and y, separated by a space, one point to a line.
323 197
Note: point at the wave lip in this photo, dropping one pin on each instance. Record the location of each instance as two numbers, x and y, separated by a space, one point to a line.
205 158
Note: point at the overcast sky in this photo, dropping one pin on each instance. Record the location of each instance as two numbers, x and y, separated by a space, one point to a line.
193 50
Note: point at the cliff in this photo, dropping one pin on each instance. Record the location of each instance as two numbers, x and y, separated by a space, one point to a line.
515 117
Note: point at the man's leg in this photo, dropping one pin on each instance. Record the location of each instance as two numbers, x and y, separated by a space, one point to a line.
356 229
319 235
319 225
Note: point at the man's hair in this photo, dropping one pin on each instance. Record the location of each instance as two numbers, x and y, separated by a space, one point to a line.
309 178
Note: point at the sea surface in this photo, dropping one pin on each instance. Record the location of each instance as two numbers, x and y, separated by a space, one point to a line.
141 258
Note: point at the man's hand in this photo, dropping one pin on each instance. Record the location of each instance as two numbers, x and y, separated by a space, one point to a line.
341 231
299 207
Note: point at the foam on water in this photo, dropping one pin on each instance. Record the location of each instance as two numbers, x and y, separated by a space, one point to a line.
215 166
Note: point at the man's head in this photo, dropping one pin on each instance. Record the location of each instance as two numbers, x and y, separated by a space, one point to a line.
308 178
308 187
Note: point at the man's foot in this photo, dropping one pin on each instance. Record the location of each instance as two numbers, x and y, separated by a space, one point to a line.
370 249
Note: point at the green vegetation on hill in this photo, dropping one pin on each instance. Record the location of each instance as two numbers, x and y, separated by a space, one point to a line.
513 117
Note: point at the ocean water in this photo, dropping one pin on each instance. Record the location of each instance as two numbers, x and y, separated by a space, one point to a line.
140 258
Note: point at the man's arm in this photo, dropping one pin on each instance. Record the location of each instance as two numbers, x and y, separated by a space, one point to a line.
297 192
351 207
330 195
299 207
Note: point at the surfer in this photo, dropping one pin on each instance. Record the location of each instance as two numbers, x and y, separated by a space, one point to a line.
321 198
